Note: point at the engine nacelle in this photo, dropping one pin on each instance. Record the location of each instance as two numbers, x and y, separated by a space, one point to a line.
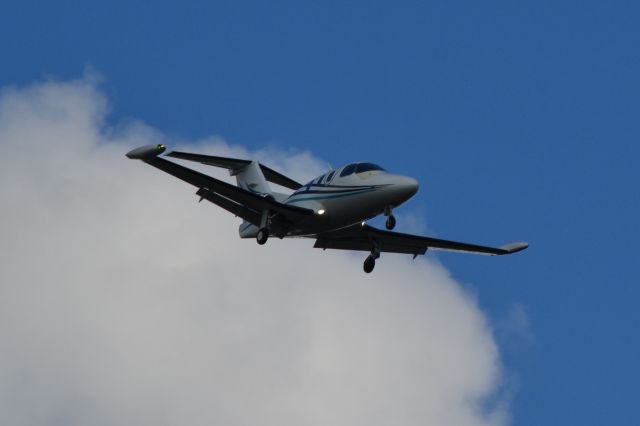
247 230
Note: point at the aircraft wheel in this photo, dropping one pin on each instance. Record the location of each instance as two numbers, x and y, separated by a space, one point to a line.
263 236
391 222
369 264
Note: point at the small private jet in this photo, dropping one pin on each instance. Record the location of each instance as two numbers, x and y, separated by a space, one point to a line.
332 208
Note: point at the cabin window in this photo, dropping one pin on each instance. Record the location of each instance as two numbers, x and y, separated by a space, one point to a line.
350 169
329 177
368 167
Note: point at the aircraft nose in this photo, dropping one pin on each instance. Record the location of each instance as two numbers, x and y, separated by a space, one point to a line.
408 186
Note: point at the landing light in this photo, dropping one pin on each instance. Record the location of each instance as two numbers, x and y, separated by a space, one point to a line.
321 211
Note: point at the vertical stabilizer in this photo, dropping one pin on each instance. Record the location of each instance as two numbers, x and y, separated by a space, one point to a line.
251 178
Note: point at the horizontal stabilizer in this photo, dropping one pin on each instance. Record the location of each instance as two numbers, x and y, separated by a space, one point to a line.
235 164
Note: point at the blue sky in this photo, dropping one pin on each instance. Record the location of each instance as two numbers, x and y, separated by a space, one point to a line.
520 120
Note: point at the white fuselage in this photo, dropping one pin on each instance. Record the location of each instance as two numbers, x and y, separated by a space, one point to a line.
345 197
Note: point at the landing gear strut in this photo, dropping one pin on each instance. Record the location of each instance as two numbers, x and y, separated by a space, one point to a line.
391 220
263 232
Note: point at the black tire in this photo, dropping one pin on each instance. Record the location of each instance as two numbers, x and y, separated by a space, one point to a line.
263 236
369 264
391 222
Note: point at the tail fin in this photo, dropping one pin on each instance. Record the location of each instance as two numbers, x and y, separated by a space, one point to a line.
251 178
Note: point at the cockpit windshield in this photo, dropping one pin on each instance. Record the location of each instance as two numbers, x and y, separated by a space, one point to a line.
360 168
368 167
350 169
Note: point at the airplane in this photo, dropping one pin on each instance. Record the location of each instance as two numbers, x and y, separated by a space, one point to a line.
332 208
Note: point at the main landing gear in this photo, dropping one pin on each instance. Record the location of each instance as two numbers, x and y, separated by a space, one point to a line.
262 236
370 261
369 264
391 219
263 233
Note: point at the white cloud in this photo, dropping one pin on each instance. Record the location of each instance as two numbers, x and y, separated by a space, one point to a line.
514 328
124 301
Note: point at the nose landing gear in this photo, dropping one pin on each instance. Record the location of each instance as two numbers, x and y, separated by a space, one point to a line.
391 222
391 219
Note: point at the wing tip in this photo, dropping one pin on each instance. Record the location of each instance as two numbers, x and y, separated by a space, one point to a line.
146 152
514 247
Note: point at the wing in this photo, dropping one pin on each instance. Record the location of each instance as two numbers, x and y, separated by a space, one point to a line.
233 164
238 201
367 238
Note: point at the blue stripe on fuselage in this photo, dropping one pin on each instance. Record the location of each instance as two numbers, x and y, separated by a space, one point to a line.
345 193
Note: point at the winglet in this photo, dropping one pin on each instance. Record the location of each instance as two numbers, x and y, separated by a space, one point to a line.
514 247
146 152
